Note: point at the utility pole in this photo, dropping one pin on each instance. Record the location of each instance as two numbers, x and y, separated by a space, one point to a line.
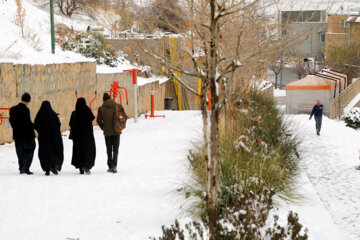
52 27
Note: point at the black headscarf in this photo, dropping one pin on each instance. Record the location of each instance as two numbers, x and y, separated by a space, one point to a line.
83 113
44 117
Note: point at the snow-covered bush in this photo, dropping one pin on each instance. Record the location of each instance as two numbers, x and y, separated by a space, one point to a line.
92 45
352 118
248 219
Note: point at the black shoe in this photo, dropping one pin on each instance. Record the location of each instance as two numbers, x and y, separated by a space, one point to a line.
318 132
22 171
27 171
87 171
109 170
357 168
47 173
53 170
81 171
113 170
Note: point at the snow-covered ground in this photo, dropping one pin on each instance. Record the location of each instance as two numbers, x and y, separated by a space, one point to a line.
132 204
329 162
279 92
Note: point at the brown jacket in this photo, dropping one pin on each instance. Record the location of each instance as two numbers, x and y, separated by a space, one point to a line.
105 117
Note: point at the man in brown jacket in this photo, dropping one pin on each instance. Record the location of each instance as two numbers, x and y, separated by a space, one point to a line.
105 120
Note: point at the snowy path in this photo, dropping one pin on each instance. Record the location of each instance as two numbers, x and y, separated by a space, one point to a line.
130 205
329 161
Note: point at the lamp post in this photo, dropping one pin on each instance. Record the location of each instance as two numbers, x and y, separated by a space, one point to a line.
52 27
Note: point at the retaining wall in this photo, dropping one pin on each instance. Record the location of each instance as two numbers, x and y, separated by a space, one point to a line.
57 83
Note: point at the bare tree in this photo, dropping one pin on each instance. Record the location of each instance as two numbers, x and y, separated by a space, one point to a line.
276 67
20 17
225 38
69 7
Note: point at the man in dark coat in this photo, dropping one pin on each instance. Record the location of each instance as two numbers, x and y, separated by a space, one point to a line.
84 149
105 120
51 148
317 112
23 133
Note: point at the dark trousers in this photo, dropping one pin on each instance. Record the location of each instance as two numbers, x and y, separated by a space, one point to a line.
112 147
318 122
25 152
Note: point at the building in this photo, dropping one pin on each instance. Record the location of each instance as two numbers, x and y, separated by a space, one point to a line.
305 31
338 31
342 29
353 23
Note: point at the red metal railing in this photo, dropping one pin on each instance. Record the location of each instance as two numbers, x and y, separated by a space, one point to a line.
2 116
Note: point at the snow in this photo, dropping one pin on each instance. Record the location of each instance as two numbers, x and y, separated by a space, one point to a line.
143 196
132 204
279 93
313 214
329 164
104 69
142 81
17 49
352 104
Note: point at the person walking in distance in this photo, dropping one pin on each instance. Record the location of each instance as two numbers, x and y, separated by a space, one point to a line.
23 133
51 148
82 134
107 120
317 112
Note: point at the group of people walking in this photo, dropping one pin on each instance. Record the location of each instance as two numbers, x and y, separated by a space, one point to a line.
48 126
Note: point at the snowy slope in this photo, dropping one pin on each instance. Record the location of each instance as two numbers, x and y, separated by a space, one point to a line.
329 163
15 48
132 204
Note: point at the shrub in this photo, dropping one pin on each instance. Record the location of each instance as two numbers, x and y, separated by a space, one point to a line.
256 144
92 45
247 219
352 118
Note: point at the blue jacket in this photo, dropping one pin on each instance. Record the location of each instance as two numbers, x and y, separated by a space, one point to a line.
317 110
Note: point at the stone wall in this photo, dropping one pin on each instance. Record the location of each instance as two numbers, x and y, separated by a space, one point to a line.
57 83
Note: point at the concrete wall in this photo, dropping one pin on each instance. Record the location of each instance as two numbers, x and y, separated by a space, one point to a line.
306 38
57 83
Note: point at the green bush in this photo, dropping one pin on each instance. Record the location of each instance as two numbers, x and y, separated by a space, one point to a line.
93 45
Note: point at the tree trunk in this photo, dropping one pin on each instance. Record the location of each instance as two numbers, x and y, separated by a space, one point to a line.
276 80
213 162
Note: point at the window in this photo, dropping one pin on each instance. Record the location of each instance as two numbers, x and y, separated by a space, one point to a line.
322 38
343 23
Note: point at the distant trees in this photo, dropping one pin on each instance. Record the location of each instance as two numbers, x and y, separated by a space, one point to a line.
167 15
68 7
345 59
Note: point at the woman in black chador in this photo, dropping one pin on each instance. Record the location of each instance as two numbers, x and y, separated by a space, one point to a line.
51 148
84 150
